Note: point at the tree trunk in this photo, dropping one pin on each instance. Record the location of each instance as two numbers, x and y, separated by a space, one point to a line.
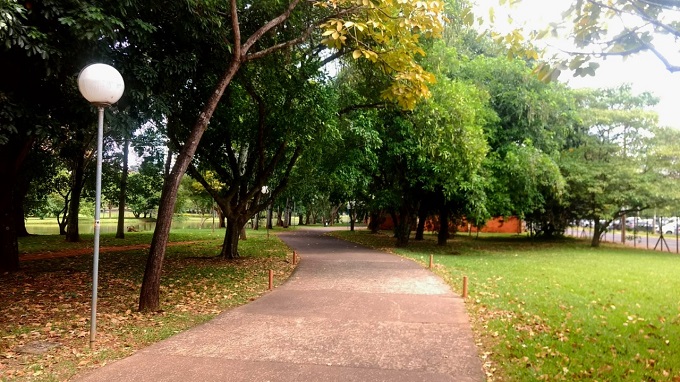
20 218
351 219
286 215
334 214
375 221
231 237
403 227
307 216
72 231
420 228
279 218
443 234
256 223
221 218
120 231
64 217
598 228
9 244
270 212
12 157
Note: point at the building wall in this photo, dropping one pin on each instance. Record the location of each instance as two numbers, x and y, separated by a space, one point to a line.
499 224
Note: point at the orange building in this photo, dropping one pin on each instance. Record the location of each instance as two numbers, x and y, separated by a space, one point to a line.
510 224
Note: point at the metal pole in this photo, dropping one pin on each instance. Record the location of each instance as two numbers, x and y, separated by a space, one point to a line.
97 207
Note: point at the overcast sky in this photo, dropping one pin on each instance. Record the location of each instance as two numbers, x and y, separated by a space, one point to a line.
643 71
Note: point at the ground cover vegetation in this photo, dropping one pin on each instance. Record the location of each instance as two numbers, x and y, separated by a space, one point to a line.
196 287
560 310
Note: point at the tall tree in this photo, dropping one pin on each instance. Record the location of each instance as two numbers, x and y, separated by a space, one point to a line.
605 172
255 144
346 24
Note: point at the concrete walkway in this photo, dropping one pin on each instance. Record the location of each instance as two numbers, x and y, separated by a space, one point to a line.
347 313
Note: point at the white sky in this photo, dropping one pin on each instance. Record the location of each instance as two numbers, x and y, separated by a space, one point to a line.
643 71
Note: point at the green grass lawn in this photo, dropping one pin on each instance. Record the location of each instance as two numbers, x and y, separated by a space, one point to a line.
562 310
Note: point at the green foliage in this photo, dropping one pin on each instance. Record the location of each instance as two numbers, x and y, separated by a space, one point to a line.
143 193
388 32
606 172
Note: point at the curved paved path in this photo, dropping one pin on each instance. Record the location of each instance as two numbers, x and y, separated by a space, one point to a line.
347 313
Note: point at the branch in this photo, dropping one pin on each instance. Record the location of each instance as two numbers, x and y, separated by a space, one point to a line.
267 27
333 57
665 4
670 67
304 36
233 163
641 12
605 54
237 30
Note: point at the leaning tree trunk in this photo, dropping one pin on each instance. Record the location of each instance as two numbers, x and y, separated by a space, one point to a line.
72 231
149 298
120 231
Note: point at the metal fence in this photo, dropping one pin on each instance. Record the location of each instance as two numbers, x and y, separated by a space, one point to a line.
657 237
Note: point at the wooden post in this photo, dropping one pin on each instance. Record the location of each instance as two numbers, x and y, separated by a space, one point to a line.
431 260
465 287
271 279
294 257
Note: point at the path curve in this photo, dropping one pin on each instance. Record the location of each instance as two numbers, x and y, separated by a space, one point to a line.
348 313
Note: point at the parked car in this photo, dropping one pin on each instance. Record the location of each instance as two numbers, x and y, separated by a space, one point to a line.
644 225
670 228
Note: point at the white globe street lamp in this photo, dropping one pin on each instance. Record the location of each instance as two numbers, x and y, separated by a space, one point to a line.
265 190
102 86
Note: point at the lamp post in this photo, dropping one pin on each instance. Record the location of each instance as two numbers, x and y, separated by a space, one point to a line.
265 190
102 86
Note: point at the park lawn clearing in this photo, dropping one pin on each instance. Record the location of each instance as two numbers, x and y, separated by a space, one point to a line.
561 310
48 301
